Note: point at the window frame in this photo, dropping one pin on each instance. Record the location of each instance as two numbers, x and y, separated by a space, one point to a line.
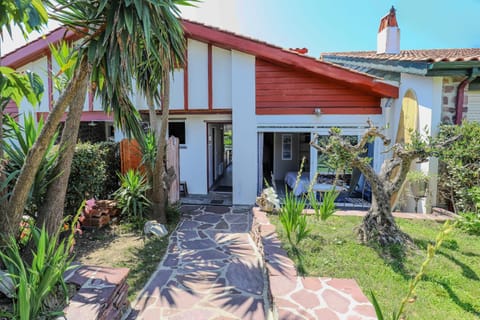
287 148
184 129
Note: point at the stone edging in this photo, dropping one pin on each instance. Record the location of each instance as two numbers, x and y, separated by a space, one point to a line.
294 297
103 293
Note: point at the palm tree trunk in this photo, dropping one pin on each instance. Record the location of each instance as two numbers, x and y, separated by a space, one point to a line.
3 202
51 211
152 116
159 185
149 166
12 216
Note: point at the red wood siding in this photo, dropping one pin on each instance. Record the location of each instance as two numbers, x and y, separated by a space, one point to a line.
283 90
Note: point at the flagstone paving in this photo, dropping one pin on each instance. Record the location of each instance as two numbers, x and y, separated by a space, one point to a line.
212 270
227 263
304 298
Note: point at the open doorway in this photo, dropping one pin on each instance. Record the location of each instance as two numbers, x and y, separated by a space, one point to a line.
219 150
267 157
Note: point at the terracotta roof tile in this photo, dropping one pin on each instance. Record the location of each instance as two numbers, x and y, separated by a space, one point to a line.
431 55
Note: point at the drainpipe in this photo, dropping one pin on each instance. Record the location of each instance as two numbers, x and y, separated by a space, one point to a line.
461 94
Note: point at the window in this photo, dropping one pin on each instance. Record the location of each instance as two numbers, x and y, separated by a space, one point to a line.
325 165
177 129
286 147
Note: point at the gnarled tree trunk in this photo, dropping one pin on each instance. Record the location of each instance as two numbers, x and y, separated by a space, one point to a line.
51 211
379 224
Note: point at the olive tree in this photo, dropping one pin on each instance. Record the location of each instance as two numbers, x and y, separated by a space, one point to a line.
379 225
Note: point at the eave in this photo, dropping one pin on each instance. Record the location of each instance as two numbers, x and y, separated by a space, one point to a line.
40 47
452 68
271 53
37 48
412 67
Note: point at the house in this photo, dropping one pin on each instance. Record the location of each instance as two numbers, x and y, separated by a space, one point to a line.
435 86
269 100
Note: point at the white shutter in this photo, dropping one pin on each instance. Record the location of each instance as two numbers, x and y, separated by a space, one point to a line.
473 113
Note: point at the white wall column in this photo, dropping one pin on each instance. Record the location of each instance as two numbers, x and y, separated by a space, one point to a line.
244 129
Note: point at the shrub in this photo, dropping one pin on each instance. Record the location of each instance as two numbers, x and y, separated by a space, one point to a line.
460 170
131 197
470 222
93 174
111 156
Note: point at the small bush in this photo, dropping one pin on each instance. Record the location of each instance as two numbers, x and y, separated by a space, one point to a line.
460 165
111 156
131 197
470 222
94 173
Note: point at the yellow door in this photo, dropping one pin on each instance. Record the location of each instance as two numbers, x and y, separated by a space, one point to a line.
408 123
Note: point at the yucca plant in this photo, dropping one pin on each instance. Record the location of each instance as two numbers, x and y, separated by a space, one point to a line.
327 208
293 220
35 282
131 196
20 140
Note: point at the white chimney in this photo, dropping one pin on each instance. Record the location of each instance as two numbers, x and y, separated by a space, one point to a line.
388 37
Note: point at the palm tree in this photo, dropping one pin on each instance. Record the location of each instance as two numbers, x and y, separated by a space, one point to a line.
159 73
27 16
119 37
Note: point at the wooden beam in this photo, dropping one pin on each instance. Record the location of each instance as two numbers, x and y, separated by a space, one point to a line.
210 83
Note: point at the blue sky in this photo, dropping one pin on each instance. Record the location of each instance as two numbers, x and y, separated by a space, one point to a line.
349 25
340 25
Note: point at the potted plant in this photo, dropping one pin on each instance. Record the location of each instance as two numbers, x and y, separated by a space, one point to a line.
418 183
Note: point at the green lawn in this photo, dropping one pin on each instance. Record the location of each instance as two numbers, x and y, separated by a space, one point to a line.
449 290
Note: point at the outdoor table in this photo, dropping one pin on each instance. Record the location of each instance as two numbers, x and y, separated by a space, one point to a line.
324 187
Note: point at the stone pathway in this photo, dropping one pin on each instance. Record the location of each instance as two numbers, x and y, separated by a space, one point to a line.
213 270
227 263
305 298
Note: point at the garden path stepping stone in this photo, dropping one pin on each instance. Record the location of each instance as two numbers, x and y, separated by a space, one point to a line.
213 270
228 263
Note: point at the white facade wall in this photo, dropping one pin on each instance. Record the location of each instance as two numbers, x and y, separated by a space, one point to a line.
193 155
197 75
428 91
40 68
177 90
244 142
221 78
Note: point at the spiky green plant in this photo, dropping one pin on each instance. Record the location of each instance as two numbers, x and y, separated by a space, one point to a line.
131 196
293 219
20 140
327 208
35 282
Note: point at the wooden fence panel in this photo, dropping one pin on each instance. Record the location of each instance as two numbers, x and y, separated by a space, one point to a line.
173 161
131 158
130 155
